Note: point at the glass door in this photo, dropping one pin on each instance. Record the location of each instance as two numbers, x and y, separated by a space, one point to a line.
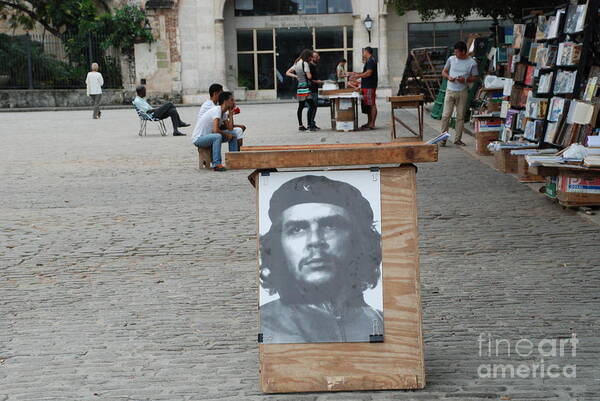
289 42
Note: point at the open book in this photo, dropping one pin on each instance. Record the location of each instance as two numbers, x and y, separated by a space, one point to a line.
440 138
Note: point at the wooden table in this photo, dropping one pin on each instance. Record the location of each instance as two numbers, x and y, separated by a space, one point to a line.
407 102
335 95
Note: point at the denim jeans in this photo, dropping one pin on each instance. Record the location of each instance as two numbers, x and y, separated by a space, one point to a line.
214 141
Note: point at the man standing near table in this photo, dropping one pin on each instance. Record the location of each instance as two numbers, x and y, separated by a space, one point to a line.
460 70
368 85
314 91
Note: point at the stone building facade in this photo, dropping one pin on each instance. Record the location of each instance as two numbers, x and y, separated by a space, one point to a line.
247 45
248 48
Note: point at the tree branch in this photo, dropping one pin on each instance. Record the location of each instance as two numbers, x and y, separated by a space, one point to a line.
32 15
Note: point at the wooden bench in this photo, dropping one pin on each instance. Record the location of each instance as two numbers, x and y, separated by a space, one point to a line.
205 157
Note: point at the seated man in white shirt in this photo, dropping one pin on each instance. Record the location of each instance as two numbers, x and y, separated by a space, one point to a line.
227 123
162 112
209 132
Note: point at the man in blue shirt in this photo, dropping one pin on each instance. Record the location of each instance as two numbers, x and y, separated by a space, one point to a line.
368 85
162 112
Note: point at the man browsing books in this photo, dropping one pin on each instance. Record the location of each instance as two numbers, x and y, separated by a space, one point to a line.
460 70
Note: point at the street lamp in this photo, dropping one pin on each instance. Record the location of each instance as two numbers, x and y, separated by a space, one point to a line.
148 28
368 22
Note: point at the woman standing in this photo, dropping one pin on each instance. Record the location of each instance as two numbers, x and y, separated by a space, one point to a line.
94 82
301 71
340 72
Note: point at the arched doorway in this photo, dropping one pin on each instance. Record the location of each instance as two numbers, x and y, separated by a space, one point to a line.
263 38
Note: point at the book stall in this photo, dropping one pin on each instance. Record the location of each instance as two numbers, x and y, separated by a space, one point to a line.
542 103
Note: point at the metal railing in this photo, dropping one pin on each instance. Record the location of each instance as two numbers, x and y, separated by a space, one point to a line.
44 61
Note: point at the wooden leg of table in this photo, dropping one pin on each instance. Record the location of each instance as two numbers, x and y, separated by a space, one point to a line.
332 109
393 125
421 118
355 108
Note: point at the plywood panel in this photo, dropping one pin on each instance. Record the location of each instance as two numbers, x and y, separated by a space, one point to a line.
328 157
397 363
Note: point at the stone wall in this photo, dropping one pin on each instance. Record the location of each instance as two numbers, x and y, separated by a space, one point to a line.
21 98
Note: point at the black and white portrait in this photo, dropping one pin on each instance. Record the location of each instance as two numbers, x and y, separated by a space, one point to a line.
320 256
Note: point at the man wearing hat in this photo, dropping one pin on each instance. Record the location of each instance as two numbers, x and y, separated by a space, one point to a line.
320 254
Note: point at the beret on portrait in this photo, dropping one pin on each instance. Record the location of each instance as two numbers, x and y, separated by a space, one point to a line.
319 189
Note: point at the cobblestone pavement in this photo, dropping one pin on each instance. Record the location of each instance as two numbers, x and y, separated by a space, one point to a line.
128 274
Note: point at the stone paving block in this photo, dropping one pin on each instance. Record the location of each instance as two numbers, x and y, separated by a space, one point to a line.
128 273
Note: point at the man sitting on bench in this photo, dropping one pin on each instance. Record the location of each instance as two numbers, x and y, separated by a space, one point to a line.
210 133
162 112
227 119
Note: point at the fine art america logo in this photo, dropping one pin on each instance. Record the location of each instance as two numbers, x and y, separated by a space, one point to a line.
553 349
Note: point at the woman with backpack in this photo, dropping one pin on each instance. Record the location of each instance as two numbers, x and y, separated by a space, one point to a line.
301 71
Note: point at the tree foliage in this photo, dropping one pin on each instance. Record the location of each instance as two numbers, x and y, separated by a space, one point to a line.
78 18
462 9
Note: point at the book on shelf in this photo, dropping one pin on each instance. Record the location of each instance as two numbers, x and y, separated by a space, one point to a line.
518 35
569 54
529 75
506 134
580 112
592 84
591 161
510 120
541 57
520 72
536 108
567 134
501 55
557 106
551 131
525 48
551 28
508 35
541 27
552 53
593 141
575 18
565 81
534 130
518 96
545 82
521 120
504 108
533 51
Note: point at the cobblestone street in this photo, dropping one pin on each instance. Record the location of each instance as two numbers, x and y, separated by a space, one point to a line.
126 273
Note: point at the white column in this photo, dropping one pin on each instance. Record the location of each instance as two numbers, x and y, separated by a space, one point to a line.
360 39
220 70
383 68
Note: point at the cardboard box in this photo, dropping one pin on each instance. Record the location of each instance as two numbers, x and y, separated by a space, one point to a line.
571 191
344 110
578 185
505 162
523 171
482 139
487 124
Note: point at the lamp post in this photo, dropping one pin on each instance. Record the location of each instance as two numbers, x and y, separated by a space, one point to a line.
148 28
368 22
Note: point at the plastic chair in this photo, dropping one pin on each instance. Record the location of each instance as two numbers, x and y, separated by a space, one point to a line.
144 118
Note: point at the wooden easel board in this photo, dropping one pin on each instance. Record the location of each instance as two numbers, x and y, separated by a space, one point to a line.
290 156
397 363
